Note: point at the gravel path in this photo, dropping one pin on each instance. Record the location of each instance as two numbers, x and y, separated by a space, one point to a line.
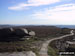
44 49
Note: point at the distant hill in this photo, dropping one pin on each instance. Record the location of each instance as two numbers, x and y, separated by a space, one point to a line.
66 26
59 26
7 26
3 26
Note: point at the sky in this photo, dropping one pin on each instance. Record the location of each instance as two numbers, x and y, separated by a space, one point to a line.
37 12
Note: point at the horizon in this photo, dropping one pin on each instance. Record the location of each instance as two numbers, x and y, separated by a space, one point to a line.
58 26
35 25
37 12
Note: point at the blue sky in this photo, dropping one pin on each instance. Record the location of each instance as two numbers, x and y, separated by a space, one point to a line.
37 12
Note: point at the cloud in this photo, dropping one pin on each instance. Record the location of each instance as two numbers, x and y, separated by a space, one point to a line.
18 7
22 6
42 2
62 14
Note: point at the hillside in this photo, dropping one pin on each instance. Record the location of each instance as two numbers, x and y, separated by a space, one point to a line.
33 43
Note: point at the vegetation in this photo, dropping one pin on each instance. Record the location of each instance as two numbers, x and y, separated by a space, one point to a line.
36 51
51 51
43 33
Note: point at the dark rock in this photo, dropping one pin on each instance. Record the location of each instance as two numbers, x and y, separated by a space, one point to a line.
11 34
6 32
20 32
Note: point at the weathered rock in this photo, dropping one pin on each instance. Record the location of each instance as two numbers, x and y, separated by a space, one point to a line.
25 30
32 33
29 53
21 32
5 32
11 34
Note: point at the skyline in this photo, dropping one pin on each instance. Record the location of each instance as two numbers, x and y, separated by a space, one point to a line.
37 12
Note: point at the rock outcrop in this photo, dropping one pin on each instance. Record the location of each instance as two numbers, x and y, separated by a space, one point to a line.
32 33
20 32
29 53
10 34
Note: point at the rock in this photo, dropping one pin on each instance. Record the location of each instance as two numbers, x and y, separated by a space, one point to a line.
32 33
25 30
12 29
5 32
15 34
21 32
29 53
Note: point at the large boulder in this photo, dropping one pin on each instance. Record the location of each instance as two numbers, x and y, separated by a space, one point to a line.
5 32
11 34
32 33
21 32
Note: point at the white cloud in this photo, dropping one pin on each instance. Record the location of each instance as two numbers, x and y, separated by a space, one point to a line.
32 3
18 7
63 14
42 2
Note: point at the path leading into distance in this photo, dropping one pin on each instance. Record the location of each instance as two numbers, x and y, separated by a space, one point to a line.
44 48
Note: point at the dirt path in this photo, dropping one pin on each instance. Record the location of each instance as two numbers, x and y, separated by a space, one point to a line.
44 49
